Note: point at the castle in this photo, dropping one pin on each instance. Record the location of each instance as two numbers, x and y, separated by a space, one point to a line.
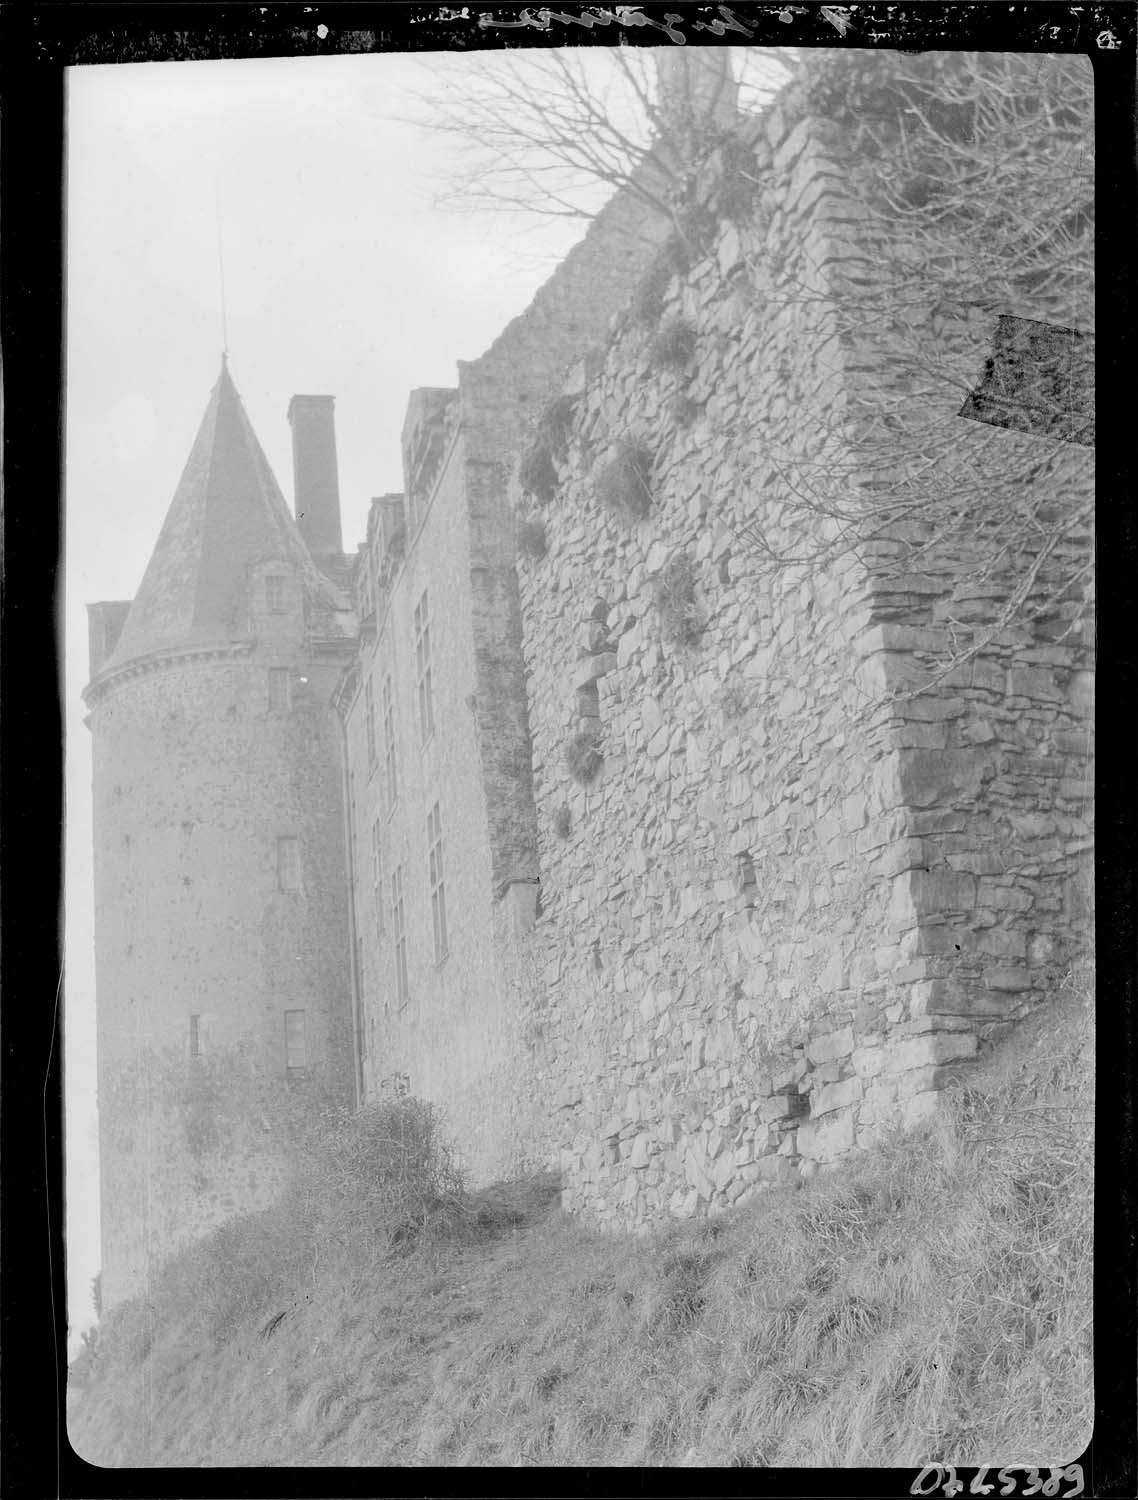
640 857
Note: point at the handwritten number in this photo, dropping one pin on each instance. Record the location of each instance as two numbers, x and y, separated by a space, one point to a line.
1035 1484
978 1487
1074 1472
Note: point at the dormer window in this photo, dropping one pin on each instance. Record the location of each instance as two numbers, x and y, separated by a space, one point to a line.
275 594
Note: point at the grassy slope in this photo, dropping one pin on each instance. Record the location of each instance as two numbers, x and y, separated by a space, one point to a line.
930 1303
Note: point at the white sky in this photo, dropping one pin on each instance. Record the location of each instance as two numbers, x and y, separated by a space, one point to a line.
340 277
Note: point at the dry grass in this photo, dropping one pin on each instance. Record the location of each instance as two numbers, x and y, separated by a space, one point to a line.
623 484
674 594
673 345
930 1303
583 755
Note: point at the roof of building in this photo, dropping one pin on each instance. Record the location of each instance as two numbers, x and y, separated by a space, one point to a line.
227 515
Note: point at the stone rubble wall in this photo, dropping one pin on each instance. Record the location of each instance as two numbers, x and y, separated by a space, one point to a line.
797 894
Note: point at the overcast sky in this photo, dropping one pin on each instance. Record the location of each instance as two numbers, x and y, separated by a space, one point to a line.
341 276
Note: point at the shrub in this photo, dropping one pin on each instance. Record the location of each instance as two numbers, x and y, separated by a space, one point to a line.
380 1177
536 474
683 410
622 485
562 821
583 755
555 423
648 299
675 601
531 538
739 181
674 344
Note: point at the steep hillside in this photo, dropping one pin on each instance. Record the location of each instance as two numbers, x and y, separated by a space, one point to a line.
929 1302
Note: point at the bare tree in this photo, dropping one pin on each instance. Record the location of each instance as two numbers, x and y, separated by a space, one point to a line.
554 132
968 180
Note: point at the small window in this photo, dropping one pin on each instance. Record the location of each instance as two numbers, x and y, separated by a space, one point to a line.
437 883
369 704
391 770
195 1036
423 669
280 689
275 593
288 864
399 936
296 1043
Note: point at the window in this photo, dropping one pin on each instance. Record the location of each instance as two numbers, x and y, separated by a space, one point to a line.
391 770
377 876
423 669
280 689
399 935
195 1036
296 1043
288 864
369 702
438 886
275 593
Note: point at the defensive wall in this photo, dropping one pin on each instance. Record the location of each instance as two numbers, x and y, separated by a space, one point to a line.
829 851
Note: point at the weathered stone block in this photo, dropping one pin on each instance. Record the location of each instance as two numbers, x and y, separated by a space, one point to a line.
949 776
827 1139
828 1048
934 1047
835 1096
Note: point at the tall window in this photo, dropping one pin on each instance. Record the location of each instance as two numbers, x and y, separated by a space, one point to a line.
399 935
377 877
195 1036
275 593
391 770
423 669
296 1043
280 689
288 864
369 702
438 885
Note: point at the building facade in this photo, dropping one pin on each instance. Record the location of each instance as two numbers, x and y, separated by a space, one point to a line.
558 805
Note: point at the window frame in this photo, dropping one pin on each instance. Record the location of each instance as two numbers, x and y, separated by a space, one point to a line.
399 938
436 878
296 1069
424 671
369 725
390 762
280 702
276 596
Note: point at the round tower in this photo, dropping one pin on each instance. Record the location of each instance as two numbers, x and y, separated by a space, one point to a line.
222 951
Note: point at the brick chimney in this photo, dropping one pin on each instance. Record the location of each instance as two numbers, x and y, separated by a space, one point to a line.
316 482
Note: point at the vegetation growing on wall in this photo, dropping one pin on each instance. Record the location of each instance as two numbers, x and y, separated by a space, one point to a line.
674 344
623 484
583 756
555 423
536 474
531 537
674 594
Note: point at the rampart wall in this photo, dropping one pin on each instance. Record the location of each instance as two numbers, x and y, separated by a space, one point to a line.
800 893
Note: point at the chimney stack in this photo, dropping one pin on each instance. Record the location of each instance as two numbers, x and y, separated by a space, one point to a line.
316 481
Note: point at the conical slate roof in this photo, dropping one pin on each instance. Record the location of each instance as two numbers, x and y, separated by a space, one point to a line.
227 514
